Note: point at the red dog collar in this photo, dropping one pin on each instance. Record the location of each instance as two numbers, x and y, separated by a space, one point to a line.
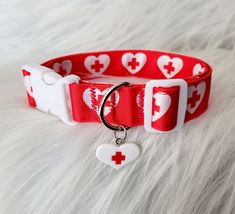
178 89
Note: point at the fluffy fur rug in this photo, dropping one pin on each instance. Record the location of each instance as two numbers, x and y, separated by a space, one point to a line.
48 167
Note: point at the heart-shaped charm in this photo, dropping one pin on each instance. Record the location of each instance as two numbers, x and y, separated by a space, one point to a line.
117 156
64 68
169 66
97 65
133 62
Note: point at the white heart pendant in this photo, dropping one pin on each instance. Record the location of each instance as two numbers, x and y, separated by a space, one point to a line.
117 156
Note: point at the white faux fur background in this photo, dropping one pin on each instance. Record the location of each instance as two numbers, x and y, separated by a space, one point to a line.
48 167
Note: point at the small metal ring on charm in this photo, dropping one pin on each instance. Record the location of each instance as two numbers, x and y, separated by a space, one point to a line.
120 140
102 107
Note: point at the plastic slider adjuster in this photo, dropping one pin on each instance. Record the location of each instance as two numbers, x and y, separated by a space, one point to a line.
50 91
148 103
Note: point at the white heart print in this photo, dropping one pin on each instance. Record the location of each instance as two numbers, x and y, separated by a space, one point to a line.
169 66
163 102
139 98
65 65
88 99
97 65
198 69
195 96
133 62
28 85
117 156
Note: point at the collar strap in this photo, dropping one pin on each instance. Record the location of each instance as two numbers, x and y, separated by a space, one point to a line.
177 88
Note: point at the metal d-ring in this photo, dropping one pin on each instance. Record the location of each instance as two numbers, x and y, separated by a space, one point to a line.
113 127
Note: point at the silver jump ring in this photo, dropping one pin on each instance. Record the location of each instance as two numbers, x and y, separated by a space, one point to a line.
120 140
113 127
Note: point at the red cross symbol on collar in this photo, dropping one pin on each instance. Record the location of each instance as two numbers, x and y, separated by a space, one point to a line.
194 99
169 67
155 107
62 71
109 102
118 158
97 66
133 63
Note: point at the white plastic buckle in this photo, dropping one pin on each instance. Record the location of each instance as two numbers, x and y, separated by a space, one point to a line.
50 91
148 98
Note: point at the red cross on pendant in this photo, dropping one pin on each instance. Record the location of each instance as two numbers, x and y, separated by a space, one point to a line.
133 63
169 67
194 99
97 66
118 158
